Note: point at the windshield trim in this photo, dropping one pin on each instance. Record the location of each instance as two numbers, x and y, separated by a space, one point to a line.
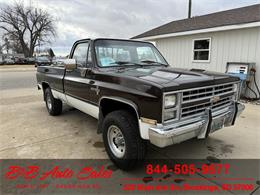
96 60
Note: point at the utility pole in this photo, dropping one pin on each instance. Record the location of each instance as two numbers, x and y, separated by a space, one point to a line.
189 11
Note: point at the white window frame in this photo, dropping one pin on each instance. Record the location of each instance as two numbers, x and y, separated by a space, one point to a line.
193 44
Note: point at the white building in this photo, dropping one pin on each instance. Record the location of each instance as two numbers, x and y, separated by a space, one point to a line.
210 41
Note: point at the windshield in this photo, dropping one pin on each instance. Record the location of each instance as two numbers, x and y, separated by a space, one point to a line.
122 53
42 58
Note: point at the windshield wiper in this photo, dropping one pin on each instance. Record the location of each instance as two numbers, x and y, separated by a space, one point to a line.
127 64
123 63
150 62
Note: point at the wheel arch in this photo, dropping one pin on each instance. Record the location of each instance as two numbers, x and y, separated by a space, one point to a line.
110 104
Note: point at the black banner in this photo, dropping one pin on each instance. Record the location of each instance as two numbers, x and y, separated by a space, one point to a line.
182 176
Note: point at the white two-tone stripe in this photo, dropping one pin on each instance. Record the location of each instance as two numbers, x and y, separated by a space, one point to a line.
85 107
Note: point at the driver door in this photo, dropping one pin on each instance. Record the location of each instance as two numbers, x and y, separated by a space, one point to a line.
77 82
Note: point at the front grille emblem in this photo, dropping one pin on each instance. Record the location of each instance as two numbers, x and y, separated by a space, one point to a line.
214 99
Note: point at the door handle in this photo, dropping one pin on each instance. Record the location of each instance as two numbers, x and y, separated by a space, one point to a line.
91 82
46 70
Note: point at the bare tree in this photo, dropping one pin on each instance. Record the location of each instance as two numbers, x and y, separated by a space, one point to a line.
15 44
27 26
7 44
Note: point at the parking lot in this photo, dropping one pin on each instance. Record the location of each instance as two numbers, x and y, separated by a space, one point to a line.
27 131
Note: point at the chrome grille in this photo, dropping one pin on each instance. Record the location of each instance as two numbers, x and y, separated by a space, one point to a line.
206 92
192 110
191 97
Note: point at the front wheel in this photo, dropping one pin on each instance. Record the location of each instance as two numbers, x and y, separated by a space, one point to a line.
122 140
53 105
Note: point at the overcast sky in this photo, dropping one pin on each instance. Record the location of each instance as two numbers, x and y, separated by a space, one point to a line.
78 19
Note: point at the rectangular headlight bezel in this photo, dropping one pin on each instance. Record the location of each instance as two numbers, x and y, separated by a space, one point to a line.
175 108
168 112
236 89
168 98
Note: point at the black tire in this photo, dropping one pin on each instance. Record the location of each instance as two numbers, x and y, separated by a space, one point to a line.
53 105
135 147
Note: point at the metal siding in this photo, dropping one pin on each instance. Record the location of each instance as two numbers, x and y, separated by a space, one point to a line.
241 45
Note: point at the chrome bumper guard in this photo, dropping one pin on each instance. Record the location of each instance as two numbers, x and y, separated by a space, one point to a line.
200 127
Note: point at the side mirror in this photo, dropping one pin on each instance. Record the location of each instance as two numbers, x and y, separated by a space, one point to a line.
70 64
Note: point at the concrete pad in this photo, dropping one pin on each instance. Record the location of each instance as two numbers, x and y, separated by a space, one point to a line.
28 131
239 141
17 68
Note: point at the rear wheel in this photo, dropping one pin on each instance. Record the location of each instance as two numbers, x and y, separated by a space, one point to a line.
122 141
53 105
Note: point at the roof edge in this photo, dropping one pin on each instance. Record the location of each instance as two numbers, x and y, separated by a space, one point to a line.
213 29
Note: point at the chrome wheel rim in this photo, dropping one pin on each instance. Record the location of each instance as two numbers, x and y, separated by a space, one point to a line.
48 100
116 141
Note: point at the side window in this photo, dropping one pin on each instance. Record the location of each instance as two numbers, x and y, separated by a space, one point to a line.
80 54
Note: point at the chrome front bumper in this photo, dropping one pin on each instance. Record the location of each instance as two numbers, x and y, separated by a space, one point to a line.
200 127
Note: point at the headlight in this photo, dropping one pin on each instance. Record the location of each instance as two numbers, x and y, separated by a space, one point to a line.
170 101
169 114
236 87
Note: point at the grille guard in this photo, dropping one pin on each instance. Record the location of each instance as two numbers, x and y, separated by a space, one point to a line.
200 127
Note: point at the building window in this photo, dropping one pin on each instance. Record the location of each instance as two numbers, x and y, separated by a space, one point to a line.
201 50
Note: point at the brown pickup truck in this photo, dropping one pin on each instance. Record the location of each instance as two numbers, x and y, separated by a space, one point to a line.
137 97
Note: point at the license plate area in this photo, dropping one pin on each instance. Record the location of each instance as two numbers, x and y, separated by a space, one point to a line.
217 123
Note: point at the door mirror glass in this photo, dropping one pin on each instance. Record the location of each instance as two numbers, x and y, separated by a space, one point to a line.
70 64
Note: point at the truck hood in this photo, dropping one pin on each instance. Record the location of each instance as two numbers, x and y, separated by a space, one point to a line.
176 78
